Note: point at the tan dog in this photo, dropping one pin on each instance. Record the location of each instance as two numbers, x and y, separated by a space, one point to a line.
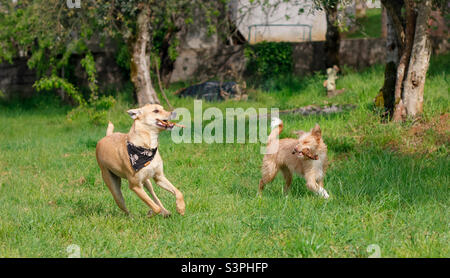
306 156
115 162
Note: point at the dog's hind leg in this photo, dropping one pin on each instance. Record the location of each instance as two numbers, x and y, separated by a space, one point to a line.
287 177
113 183
162 181
164 211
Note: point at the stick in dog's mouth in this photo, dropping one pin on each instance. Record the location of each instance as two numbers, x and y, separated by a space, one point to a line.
307 153
167 125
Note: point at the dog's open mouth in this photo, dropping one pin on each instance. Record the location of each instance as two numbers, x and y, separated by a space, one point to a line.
166 124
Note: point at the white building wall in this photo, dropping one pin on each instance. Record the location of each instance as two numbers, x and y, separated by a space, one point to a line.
281 23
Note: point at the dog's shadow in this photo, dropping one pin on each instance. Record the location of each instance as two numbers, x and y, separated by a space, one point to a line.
298 187
275 188
84 207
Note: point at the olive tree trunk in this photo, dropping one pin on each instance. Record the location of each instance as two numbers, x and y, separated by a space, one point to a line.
418 66
407 58
392 59
333 37
140 60
399 109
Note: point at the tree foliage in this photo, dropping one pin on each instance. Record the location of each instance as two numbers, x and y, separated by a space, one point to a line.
268 59
48 33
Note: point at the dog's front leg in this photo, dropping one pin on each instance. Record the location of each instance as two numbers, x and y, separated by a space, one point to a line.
312 185
164 211
139 190
322 191
162 181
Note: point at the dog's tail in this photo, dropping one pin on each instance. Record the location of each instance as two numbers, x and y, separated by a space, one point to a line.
110 129
277 127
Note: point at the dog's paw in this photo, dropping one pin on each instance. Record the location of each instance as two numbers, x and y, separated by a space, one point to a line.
150 214
181 207
165 213
323 193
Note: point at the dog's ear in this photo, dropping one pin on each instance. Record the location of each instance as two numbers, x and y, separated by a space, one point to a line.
134 113
299 132
316 132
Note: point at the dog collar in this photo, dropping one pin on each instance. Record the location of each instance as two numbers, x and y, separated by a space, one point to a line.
140 156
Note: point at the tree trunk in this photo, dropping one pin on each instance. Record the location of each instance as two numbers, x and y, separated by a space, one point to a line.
420 60
140 60
167 64
392 59
384 22
394 9
399 109
413 44
333 38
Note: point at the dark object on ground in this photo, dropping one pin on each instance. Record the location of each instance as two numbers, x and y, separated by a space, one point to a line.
319 110
316 110
214 91
335 92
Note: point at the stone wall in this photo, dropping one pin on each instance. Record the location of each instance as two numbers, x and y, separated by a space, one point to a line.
17 79
357 53
202 64
202 55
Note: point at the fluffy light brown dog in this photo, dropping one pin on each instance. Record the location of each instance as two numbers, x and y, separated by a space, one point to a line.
114 160
306 156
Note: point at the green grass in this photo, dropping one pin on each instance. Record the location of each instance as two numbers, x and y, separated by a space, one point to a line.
368 26
384 189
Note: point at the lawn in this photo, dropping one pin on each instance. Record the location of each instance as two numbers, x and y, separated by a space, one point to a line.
389 183
368 26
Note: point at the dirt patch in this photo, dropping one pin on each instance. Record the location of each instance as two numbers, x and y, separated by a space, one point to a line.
423 137
439 125
428 136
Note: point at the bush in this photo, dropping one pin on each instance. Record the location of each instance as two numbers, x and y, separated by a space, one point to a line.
267 59
96 111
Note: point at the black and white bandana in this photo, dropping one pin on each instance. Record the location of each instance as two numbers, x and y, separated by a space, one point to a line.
140 156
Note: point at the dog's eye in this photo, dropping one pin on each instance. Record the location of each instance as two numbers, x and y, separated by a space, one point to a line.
156 111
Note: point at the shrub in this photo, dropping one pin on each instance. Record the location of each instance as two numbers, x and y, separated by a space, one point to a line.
95 111
267 59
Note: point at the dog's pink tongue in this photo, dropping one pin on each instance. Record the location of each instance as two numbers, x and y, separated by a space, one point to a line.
170 124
